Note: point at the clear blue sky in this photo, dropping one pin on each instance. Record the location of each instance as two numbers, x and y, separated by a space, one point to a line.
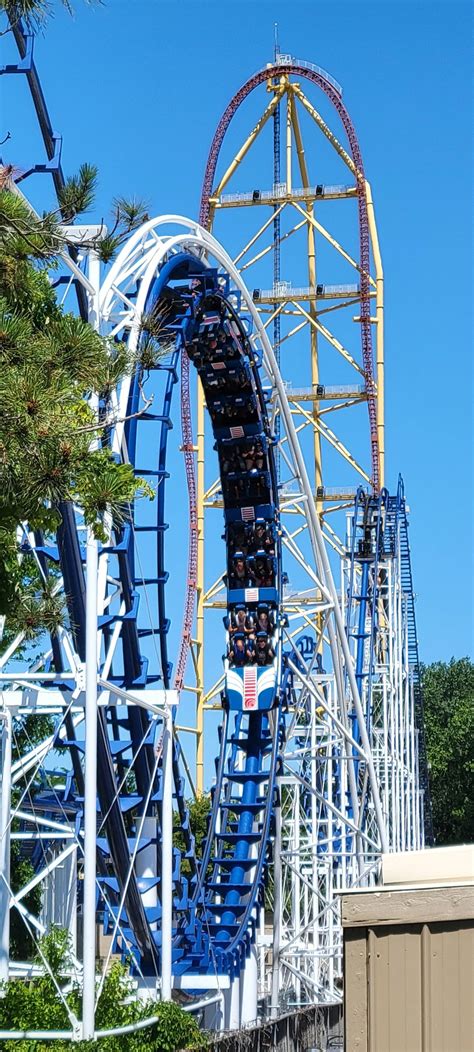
137 88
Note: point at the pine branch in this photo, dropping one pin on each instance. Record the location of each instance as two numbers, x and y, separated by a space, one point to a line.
34 13
78 192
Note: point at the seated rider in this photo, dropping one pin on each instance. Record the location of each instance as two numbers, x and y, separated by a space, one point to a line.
241 651
264 622
264 652
261 488
196 287
261 539
242 622
240 575
262 573
237 537
239 459
218 412
258 455
237 490
242 381
249 457
227 462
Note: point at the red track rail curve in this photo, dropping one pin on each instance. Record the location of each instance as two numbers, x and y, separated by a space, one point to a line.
366 331
190 468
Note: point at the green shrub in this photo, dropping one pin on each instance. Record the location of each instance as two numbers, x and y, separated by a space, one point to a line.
35 1004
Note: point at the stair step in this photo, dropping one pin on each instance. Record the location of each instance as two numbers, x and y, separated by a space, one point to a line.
103 844
222 907
143 883
227 932
152 913
234 838
245 744
247 776
222 889
229 863
238 806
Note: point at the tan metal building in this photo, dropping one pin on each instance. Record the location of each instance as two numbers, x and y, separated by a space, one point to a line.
409 956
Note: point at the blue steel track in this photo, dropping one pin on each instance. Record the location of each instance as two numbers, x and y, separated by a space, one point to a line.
216 912
218 916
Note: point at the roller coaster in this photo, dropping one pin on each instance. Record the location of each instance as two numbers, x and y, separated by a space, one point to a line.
320 763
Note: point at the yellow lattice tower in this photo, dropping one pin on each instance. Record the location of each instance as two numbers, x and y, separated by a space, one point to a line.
323 302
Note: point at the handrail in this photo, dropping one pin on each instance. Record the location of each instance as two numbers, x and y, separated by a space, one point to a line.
288 60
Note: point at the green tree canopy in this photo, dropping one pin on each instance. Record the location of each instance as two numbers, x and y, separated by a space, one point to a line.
199 808
36 1004
50 362
33 12
449 722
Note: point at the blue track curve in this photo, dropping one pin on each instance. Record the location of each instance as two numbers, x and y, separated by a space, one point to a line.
216 911
240 810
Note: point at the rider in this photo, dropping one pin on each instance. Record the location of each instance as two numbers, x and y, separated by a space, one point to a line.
261 539
241 651
239 576
264 624
264 653
262 573
242 622
237 537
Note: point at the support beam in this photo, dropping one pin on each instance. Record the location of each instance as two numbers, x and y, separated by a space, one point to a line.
232 1005
248 143
90 788
200 598
5 796
249 989
277 910
312 281
167 860
90 805
379 336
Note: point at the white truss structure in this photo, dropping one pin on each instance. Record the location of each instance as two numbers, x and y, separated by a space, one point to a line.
325 843
319 852
319 722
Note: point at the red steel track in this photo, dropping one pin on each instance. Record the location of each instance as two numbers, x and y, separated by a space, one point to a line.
190 468
261 77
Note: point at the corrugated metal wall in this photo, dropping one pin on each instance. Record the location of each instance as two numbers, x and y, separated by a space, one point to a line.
409 987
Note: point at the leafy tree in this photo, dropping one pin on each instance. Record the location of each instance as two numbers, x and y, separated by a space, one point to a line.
199 808
33 12
49 362
37 1005
449 723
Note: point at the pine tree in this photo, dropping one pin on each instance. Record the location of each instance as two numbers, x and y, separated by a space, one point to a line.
50 361
33 12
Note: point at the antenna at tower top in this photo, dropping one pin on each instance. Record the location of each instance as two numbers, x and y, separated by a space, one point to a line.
276 47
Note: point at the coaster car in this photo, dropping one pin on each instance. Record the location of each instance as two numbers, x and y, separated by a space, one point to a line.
250 689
